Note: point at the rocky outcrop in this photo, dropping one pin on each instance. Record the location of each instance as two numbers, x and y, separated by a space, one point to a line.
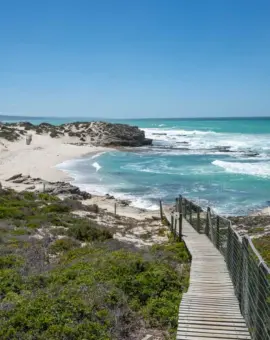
63 189
93 133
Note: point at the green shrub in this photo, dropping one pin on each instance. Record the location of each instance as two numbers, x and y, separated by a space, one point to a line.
88 231
172 251
63 244
9 261
56 208
49 198
29 195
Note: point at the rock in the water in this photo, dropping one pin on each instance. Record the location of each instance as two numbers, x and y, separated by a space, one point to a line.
109 197
124 203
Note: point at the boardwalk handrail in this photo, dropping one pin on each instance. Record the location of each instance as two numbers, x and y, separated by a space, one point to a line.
249 273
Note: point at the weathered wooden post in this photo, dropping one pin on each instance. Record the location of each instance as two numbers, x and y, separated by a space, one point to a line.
44 186
180 225
176 220
184 205
180 202
262 315
198 219
176 204
217 232
172 222
115 208
160 210
207 222
190 212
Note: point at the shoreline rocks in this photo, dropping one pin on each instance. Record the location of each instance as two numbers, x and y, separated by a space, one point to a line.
93 133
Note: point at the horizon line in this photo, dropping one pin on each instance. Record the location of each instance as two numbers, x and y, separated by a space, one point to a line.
147 118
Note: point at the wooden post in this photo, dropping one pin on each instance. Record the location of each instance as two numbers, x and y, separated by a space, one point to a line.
217 233
198 219
176 204
262 316
207 222
160 210
172 223
244 277
180 225
175 228
115 208
44 186
190 212
180 209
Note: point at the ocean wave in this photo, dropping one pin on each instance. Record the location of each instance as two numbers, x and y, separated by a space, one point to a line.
210 142
261 169
174 132
98 155
96 166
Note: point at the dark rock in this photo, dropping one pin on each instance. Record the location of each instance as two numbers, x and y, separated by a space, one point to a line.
85 195
124 203
92 208
54 134
20 180
155 218
252 154
223 148
109 197
14 177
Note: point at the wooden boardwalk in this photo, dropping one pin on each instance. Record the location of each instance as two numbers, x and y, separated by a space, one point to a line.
210 309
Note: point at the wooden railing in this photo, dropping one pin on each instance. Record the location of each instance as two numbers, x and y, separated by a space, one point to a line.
249 273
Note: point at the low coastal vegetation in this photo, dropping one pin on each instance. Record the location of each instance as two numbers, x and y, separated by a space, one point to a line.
65 277
258 228
263 246
94 133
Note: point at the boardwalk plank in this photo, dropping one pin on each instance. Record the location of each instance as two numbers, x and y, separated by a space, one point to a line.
210 309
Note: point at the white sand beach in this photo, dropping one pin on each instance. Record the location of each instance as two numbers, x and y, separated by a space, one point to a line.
39 159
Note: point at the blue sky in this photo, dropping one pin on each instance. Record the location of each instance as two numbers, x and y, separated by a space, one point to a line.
134 59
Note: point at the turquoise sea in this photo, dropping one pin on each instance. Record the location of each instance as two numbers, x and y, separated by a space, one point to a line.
223 163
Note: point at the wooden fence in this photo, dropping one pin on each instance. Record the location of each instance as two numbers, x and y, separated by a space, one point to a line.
249 273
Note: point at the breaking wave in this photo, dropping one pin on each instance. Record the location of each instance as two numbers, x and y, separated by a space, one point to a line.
261 169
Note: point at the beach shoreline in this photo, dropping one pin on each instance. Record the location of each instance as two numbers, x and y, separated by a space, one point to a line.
40 160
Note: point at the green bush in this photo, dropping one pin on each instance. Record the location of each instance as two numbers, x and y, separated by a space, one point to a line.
90 292
49 198
9 261
56 208
88 231
63 244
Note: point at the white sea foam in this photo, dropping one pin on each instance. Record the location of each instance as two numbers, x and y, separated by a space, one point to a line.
208 142
98 155
261 169
96 166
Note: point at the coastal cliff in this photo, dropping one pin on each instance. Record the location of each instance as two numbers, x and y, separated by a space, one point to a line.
93 133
